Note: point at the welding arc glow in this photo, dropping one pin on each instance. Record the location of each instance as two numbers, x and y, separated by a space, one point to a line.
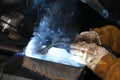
54 54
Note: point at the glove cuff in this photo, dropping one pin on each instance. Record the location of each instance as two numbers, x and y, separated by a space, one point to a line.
93 60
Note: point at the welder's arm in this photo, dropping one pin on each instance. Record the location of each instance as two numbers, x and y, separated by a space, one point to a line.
110 36
106 36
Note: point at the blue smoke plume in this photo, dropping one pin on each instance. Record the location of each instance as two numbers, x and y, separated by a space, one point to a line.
51 38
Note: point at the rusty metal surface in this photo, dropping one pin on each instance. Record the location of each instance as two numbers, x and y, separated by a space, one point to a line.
52 70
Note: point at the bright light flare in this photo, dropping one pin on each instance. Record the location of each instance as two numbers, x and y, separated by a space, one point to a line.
57 55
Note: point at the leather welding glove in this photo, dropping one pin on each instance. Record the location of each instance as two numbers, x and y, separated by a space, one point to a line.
98 59
88 54
106 36
89 36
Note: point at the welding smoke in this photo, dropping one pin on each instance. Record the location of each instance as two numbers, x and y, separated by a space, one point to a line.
56 30
55 26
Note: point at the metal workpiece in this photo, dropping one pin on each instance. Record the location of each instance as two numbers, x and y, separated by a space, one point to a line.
9 24
6 26
11 21
52 70
16 26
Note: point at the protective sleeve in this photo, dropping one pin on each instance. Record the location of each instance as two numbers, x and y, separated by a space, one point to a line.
110 37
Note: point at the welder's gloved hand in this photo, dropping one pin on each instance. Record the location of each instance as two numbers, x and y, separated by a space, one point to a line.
88 54
89 36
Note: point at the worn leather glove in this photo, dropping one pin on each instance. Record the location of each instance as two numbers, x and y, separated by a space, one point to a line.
89 36
88 54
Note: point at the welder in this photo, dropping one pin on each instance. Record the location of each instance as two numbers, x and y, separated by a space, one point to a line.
99 49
